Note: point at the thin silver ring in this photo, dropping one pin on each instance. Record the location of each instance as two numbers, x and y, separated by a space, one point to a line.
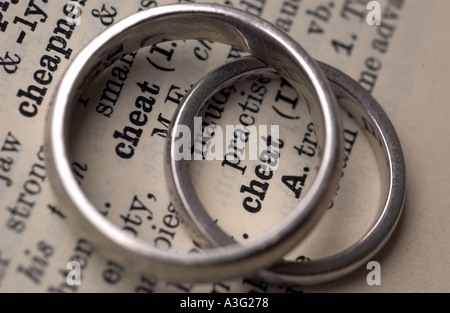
221 24
375 123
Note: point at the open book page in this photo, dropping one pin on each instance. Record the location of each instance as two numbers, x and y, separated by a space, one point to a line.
402 62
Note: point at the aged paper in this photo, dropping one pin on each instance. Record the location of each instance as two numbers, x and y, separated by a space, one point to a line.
402 62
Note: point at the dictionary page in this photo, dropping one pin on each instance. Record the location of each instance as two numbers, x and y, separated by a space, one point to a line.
117 148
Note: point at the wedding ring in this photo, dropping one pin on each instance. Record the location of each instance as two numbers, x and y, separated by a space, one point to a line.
372 120
225 25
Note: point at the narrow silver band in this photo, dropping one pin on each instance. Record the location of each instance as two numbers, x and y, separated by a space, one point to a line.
379 130
221 24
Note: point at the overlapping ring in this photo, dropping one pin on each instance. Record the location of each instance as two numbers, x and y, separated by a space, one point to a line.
226 25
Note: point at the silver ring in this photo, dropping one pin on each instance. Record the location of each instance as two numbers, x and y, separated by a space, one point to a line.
371 118
221 24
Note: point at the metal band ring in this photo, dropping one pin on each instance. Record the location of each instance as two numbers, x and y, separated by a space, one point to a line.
216 23
371 118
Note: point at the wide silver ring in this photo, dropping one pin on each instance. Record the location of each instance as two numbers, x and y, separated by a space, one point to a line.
371 118
225 25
